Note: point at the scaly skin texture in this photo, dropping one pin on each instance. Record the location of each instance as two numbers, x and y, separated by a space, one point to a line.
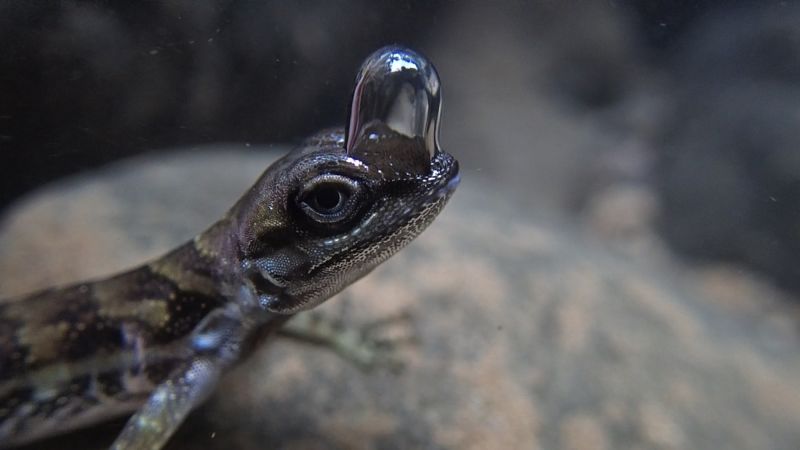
157 338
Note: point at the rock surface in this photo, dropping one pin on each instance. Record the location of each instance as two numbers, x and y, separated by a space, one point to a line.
529 334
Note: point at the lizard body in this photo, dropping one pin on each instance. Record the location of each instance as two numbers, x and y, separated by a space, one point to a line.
156 339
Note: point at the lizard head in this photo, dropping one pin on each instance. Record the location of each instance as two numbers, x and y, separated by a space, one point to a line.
343 202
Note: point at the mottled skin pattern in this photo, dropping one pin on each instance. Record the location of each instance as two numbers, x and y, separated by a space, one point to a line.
158 337
74 354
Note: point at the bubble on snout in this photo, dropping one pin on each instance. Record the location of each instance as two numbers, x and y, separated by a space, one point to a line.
395 109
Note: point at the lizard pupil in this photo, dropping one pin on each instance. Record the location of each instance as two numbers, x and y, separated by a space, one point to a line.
328 199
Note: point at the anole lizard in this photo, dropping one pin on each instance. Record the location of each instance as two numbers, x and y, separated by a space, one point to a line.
156 339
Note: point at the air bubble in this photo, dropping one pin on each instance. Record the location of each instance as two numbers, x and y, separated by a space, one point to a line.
397 92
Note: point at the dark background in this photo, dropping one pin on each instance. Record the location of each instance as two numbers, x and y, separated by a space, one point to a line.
690 105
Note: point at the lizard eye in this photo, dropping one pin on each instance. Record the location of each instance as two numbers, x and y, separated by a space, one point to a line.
330 199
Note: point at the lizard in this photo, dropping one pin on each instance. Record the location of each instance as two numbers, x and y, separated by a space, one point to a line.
155 340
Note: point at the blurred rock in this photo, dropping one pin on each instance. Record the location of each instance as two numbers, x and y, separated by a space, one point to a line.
529 335
624 216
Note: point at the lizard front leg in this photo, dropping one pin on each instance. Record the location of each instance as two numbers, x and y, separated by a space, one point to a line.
215 344
168 406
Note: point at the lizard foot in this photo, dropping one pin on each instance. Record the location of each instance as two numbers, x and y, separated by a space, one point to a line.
371 345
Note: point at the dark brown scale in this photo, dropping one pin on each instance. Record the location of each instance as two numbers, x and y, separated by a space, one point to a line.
110 383
89 333
159 371
76 388
186 310
12 401
12 355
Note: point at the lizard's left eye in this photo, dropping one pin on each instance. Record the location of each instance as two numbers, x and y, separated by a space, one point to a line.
330 199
